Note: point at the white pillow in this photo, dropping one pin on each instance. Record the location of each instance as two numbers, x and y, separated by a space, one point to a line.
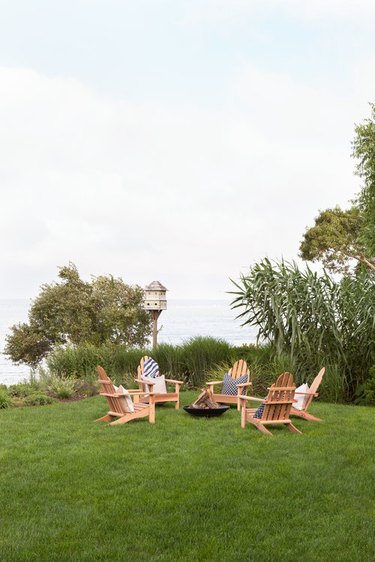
126 401
301 398
159 386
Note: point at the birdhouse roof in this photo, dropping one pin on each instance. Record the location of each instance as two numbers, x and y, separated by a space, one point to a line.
156 286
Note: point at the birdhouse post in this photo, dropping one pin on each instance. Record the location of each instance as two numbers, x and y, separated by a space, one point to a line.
155 301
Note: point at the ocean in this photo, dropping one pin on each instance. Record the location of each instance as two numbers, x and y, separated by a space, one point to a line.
182 320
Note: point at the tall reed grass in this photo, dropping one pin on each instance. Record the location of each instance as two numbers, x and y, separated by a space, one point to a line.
195 362
314 321
190 362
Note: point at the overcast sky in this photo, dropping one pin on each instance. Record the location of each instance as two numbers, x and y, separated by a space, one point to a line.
177 140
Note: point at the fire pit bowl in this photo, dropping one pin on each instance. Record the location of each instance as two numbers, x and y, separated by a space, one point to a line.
206 412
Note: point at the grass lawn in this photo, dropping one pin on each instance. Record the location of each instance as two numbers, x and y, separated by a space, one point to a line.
185 489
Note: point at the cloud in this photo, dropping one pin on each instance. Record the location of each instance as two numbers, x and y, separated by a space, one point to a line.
186 195
357 10
233 11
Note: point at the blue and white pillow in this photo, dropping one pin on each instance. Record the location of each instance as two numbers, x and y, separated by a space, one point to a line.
150 368
230 385
259 413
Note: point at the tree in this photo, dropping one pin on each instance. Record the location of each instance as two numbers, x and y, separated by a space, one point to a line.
339 237
336 241
364 151
73 311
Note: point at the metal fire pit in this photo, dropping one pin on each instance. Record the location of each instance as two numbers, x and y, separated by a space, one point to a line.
206 412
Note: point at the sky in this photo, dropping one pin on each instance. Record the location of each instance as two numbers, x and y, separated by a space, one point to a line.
174 140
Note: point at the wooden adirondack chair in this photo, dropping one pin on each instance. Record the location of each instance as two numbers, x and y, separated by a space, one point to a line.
116 403
277 406
239 368
158 397
309 398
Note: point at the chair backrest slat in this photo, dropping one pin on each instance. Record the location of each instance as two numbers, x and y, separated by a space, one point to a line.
141 366
314 387
239 368
108 390
280 399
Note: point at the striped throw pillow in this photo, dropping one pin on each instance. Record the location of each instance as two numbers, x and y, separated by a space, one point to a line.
230 385
150 368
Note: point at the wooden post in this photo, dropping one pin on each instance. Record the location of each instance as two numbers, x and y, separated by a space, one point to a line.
155 316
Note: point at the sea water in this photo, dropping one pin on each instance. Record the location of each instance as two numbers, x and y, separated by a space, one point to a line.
182 320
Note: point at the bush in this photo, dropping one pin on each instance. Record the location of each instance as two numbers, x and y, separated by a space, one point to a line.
22 389
86 388
189 362
369 389
200 354
5 399
38 399
80 362
200 359
62 388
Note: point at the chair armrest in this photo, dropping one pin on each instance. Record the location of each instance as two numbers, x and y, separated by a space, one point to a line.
214 382
140 392
150 383
244 384
308 393
242 397
173 381
133 392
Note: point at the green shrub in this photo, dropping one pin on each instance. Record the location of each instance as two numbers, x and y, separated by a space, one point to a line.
86 388
170 360
189 362
76 361
198 360
22 389
62 388
369 389
38 399
200 354
5 399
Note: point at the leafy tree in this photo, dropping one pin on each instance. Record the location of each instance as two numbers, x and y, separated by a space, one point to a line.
73 311
336 240
339 237
364 151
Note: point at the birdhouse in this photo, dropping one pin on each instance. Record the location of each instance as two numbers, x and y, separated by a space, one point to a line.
155 296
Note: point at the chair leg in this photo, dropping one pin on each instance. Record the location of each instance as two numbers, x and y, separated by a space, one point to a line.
177 406
104 418
243 417
151 415
263 429
310 417
293 428
120 421
304 415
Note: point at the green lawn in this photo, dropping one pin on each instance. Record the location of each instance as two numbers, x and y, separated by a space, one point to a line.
185 489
